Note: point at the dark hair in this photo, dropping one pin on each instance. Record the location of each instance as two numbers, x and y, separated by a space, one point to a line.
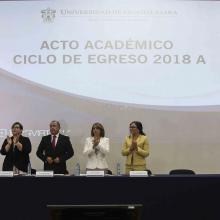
139 126
55 121
100 127
17 123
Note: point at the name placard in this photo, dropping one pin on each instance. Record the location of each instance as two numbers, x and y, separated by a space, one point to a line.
48 173
138 173
99 173
6 174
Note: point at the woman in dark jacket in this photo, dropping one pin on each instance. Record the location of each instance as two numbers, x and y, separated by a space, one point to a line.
16 150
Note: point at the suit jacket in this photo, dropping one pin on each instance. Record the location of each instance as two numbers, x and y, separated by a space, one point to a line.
14 157
63 150
138 157
96 159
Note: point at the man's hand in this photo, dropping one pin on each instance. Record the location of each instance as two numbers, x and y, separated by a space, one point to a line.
49 160
57 160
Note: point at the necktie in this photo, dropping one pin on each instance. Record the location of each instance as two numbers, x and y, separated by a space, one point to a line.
54 141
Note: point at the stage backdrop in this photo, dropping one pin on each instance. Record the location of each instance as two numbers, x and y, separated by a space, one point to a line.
113 62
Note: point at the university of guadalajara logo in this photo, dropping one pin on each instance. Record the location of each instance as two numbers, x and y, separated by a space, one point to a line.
48 15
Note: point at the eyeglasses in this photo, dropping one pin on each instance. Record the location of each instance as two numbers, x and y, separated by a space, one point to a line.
132 127
16 127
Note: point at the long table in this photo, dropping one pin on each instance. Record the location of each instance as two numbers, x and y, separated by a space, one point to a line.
163 196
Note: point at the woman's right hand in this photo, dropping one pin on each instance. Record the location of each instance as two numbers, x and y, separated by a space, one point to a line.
95 142
133 145
9 140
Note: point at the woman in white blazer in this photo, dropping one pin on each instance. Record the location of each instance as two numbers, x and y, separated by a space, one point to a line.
96 147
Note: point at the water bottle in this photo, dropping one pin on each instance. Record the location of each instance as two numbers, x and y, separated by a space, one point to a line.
77 170
29 169
118 169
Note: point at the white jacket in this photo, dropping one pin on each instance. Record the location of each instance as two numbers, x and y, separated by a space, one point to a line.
96 160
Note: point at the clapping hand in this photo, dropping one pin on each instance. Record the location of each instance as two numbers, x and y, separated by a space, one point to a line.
9 140
95 142
133 145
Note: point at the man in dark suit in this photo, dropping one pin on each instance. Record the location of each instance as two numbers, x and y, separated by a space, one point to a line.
16 150
55 149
